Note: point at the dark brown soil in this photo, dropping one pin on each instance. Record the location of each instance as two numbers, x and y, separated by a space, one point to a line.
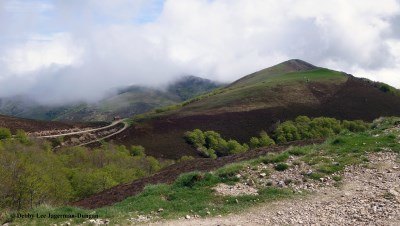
30 125
355 99
169 174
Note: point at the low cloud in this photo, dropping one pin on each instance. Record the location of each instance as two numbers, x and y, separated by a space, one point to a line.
66 51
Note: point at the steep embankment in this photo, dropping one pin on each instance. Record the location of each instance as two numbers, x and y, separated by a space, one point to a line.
260 100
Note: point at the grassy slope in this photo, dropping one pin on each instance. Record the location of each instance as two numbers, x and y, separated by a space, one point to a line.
192 193
258 91
279 85
257 102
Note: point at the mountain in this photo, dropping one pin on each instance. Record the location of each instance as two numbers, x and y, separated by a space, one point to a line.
258 102
124 102
190 86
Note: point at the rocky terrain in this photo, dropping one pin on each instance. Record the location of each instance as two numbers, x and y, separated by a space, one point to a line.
367 195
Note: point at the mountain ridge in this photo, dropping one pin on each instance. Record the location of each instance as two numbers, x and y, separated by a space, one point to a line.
259 101
125 102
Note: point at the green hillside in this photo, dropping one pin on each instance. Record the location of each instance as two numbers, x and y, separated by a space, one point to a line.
124 102
279 85
260 101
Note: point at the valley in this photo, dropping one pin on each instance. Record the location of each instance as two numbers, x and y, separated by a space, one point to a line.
295 123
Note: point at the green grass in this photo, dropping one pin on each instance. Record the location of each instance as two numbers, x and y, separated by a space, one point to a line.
247 91
192 193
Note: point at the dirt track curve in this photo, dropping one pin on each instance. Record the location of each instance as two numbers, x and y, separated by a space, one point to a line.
126 125
169 174
86 131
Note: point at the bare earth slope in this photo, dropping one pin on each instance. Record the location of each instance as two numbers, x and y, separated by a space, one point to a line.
260 100
29 125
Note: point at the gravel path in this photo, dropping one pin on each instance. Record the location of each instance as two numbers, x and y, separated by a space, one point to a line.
369 196
85 131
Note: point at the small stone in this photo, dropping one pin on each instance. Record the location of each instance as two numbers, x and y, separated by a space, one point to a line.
160 210
208 213
263 174
281 183
238 176
187 217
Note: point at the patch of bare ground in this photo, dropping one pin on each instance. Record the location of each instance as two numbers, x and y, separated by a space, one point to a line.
368 195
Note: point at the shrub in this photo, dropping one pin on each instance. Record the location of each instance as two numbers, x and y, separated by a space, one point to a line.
265 140
188 179
137 150
185 158
321 127
22 137
287 131
281 166
210 144
5 133
384 87
195 138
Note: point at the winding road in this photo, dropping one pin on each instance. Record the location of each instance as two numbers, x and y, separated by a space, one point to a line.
126 125
86 131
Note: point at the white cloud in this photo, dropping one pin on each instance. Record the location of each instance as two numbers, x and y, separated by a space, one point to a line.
97 45
41 52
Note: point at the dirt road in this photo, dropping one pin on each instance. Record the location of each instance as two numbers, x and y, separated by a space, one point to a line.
368 196
87 131
126 125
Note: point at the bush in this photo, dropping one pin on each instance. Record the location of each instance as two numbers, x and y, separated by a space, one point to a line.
5 133
287 131
195 138
385 88
210 144
321 127
263 141
188 179
22 137
185 158
137 150
281 166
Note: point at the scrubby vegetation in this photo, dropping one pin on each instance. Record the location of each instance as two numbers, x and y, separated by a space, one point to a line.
211 144
32 174
192 193
305 128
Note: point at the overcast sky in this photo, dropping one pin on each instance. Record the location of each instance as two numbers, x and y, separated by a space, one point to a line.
68 50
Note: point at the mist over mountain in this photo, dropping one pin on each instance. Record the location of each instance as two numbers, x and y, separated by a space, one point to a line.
124 102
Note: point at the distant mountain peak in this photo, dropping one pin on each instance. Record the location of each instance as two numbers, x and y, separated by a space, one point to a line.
189 86
299 65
